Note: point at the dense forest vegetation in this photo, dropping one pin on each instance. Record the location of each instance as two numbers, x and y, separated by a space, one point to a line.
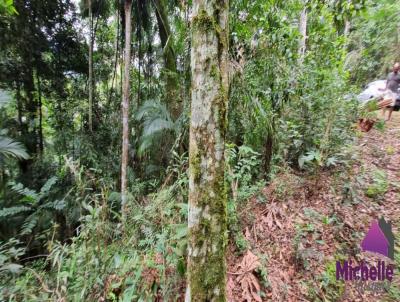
140 139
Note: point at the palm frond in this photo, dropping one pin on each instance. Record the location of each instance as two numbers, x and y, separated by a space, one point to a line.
57 205
157 125
11 211
5 98
9 147
47 186
144 110
29 224
156 121
152 108
145 143
28 194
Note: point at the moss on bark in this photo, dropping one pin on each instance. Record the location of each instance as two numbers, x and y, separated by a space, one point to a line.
207 194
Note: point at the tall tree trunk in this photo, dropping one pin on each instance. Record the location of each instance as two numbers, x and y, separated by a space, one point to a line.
39 90
139 54
19 107
346 33
90 66
303 35
207 220
125 105
116 47
173 99
31 109
23 164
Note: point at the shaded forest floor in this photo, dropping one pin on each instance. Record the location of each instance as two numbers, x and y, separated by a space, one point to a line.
307 223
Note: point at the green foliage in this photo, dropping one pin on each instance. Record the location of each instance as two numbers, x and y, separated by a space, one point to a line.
12 211
156 122
315 134
10 252
373 43
330 288
381 126
394 289
302 109
104 262
33 207
7 7
242 163
286 114
9 147
379 185
241 178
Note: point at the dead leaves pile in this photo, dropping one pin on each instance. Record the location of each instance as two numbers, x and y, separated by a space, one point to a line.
250 286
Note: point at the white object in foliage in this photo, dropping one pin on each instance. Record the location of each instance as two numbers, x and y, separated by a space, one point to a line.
372 91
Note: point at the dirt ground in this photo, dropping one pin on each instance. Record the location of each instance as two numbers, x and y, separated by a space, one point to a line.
307 224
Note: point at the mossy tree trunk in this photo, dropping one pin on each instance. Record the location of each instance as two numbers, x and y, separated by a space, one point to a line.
125 106
207 195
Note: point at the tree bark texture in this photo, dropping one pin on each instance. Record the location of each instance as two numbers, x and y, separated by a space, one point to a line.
207 220
125 105
303 35
40 113
90 66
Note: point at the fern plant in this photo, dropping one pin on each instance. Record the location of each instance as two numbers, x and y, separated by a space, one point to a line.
32 203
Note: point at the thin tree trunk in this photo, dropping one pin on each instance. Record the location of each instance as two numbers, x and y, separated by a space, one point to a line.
121 71
21 126
207 220
19 107
303 33
125 106
32 111
347 27
346 33
40 114
115 60
139 36
90 67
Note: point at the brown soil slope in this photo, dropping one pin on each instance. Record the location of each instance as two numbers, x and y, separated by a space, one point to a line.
307 223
